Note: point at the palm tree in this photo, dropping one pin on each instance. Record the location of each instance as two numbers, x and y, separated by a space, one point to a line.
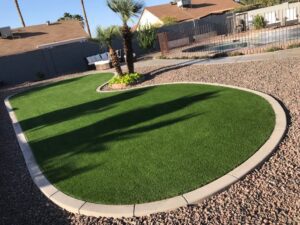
127 9
105 36
85 18
20 13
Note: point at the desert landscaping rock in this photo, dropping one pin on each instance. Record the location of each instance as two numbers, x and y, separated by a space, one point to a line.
269 194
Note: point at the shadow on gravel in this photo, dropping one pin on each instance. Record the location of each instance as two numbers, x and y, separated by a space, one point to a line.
151 75
21 202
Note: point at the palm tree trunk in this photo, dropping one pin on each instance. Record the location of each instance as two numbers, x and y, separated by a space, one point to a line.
127 38
85 18
20 13
115 61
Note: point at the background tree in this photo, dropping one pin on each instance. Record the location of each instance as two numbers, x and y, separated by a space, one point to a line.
263 3
168 20
85 18
68 16
105 36
126 9
249 2
20 13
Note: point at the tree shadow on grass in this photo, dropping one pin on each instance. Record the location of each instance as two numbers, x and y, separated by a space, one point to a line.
68 170
69 113
93 138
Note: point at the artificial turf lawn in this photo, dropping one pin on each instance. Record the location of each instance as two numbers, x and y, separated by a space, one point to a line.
141 145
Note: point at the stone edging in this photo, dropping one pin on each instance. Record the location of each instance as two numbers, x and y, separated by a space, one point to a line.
117 211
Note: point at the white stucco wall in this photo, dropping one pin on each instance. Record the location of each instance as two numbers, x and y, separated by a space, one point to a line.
148 18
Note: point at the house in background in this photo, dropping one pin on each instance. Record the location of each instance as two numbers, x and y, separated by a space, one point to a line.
195 20
47 50
185 10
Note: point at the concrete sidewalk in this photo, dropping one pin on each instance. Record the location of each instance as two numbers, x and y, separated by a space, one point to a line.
236 59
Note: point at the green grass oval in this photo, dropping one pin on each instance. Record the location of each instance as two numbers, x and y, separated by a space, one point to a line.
141 145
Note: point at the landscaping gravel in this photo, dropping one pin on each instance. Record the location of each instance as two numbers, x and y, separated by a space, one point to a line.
268 195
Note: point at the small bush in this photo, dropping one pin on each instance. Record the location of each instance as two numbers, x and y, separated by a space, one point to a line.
235 53
219 55
259 22
180 57
199 57
297 45
127 79
162 57
274 49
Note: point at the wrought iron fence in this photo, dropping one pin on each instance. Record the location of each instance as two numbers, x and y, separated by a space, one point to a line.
235 35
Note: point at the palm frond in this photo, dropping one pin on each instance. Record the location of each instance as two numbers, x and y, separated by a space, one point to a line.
126 9
106 35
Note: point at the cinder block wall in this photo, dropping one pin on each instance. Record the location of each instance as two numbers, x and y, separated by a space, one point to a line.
52 62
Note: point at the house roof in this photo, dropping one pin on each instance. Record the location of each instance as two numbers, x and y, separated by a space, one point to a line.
198 9
33 37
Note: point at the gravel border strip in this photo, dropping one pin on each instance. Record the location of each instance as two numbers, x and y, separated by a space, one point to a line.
117 211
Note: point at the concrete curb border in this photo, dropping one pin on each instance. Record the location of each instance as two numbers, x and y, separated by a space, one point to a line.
117 211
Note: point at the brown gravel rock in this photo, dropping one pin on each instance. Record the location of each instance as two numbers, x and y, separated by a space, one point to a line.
268 195
21 202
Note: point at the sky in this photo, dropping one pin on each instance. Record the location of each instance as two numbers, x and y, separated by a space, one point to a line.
40 11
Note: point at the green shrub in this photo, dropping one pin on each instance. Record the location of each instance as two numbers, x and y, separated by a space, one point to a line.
219 55
267 3
274 49
297 45
147 36
235 53
259 22
127 79
199 57
262 3
180 57
162 57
